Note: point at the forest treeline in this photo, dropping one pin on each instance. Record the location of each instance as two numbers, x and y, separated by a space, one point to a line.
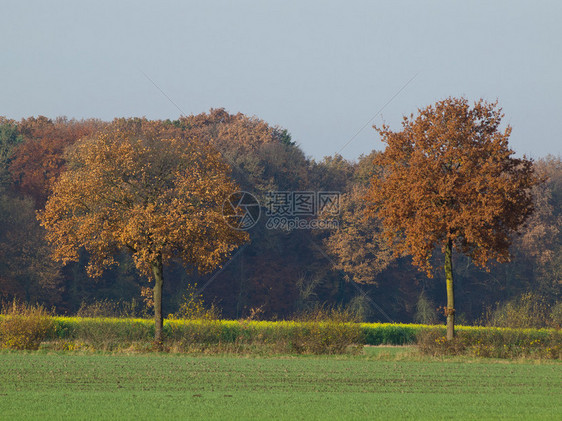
278 272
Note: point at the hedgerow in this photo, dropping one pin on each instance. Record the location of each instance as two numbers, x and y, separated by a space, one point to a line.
312 337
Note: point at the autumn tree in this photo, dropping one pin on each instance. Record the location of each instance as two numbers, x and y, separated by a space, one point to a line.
26 271
357 246
333 173
449 179
539 248
147 187
9 140
39 158
263 157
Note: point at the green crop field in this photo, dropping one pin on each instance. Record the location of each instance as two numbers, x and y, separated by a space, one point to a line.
381 385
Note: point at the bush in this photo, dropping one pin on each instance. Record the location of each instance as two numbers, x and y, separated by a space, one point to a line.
24 326
426 311
433 342
319 331
556 316
325 331
494 343
527 311
192 307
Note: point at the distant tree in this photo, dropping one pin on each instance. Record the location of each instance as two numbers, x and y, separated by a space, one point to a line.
449 179
333 173
26 271
146 187
358 246
39 159
539 248
263 157
9 140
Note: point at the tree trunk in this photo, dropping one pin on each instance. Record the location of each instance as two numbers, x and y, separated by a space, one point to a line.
157 296
450 312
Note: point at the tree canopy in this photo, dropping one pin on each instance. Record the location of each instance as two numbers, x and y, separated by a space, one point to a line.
39 160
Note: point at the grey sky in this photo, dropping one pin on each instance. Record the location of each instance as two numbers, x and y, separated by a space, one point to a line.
320 69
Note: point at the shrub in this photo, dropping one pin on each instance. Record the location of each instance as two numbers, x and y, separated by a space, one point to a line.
426 311
320 331
325 331
527 311
433 342
360 307
23 326
556 316
192 307
494 343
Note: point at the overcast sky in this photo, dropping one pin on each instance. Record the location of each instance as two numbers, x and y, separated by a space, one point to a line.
321 69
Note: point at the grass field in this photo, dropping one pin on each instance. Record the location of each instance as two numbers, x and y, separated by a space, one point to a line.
386 383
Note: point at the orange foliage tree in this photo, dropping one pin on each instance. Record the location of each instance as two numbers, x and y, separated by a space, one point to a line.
449 179
357 246
39 159
147 187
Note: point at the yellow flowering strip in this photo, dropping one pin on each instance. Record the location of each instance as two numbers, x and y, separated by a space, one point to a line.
231 330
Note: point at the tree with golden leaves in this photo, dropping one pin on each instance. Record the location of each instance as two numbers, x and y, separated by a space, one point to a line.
147 187
449 180
357 246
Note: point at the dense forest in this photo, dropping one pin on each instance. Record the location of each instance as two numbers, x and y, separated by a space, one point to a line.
279 272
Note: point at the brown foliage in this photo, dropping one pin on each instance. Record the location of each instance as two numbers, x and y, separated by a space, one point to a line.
39 160
261 155
143 186
540 235
219 127
358 245
148 187
450 175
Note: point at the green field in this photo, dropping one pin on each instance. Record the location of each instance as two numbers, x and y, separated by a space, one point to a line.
381 385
